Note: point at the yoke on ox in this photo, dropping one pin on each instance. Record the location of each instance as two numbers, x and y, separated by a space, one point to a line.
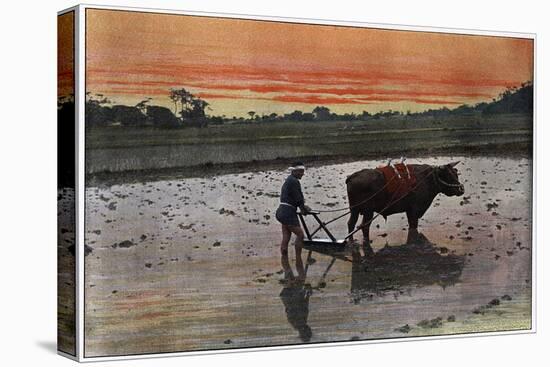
387 190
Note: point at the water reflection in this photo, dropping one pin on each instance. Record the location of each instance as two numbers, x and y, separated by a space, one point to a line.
417 263
396 269
391 270
295 296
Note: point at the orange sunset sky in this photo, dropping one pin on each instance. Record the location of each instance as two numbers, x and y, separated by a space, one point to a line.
264 66
65 56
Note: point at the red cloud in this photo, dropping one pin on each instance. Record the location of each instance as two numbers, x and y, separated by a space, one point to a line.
291 86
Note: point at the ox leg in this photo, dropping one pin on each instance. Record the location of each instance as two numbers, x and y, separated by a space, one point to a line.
352 221
367 218
412 235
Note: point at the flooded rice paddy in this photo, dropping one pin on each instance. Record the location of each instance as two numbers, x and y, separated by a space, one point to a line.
194 264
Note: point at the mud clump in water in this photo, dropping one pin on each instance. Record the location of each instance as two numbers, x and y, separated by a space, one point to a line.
123 244
404 329
431 324
481 310
226 212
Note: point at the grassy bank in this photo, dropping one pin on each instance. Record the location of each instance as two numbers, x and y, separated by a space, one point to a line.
123 150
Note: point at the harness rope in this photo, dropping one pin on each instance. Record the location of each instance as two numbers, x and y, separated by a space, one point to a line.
378 192
369 198
446 183
353 206
437 180
391 203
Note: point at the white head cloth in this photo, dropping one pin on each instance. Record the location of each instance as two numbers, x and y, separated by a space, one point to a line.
290 169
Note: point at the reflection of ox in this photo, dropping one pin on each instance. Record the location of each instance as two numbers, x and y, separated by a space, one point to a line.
396 268
367 194
416 264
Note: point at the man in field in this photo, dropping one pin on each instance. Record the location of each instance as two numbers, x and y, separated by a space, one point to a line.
292 199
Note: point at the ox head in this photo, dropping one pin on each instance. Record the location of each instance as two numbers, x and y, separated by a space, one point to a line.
447 179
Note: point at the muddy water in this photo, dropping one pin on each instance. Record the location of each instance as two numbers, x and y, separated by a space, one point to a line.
194 264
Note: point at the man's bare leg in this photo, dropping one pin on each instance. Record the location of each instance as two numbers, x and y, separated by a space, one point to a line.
285 240
299 242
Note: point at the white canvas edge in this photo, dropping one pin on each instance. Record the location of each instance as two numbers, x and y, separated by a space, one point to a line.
80 92
534 195
303 346
81 189
78 165
67 10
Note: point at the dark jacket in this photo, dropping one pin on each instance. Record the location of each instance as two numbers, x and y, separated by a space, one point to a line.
291 192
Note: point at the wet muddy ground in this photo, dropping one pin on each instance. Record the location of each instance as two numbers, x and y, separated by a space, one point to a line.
66 271
192 264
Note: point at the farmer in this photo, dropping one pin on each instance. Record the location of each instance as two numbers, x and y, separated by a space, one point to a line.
291 199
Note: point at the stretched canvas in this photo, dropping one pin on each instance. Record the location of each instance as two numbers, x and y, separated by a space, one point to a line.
191 146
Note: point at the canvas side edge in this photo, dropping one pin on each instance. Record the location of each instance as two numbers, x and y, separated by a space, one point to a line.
534 196
61 142
80 94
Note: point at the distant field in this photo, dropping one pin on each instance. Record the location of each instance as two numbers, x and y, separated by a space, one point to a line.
120 149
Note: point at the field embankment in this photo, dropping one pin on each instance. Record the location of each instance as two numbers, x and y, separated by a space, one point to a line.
119 150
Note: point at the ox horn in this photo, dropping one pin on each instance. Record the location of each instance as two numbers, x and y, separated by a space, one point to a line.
452 164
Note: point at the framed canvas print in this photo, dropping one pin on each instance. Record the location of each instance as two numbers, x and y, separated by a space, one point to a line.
230 182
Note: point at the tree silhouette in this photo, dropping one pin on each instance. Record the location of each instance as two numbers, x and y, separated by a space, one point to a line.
190 110
162 117
175 98
97 114
182 96
142 105
321 113
513 100
192 107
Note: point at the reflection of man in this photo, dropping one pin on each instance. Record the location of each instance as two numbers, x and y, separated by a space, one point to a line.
295 296
291 199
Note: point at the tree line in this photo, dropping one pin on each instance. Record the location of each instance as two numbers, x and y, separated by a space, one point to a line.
191 111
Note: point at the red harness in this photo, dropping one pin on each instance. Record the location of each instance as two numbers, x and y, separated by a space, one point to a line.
400 179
